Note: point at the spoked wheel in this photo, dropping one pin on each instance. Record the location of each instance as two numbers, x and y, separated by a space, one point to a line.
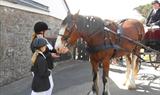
154 60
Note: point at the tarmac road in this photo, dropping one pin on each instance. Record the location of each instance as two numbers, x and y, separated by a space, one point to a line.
75 78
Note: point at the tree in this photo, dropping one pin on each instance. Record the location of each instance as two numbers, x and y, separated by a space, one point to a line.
144 9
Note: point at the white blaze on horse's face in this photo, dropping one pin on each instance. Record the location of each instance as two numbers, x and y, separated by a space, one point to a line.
59 43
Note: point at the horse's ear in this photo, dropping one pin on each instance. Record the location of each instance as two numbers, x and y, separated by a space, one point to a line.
76 15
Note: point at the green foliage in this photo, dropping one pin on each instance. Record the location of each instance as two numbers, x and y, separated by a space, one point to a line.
144 9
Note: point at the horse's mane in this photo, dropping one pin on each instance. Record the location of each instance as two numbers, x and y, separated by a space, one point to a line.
89 24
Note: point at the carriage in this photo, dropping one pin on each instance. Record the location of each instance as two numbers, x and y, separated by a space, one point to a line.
152 40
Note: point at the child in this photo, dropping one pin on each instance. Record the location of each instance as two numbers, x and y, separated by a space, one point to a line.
42 78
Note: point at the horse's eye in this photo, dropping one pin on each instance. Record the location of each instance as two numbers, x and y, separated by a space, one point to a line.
64 38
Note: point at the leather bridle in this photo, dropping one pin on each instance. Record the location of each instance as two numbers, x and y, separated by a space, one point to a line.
65 38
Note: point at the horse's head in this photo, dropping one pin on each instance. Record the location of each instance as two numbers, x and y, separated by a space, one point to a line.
68 33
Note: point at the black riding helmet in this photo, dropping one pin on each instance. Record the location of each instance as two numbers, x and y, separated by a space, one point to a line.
155 1
40 26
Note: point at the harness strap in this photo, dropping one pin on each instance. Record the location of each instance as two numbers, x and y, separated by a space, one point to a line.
118 38
95 49
110 44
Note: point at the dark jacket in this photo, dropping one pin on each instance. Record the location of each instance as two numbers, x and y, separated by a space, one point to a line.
41 74
48 55
153 18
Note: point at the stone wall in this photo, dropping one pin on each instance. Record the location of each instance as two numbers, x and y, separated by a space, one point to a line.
16 28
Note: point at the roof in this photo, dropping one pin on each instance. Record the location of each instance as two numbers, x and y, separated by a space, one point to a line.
31 3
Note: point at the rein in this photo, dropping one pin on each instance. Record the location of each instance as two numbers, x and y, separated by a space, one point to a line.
131 40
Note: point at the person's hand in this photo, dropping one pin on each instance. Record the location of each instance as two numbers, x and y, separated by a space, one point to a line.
63 50
55 55
148 25
152 24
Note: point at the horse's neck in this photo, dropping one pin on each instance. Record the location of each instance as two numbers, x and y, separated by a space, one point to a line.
91 36
89 25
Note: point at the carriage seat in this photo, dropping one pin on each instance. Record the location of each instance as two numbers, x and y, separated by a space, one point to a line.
152 38
152 34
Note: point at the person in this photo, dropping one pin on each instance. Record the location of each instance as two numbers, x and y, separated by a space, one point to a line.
40 28
154 16
154 19
42 77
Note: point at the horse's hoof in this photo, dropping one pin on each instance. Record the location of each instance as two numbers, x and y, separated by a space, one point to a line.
90 93
105 93
131 88
124 84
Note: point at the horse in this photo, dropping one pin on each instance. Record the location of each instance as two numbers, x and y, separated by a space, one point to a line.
103 45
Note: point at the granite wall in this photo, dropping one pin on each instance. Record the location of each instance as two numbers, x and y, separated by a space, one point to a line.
16 28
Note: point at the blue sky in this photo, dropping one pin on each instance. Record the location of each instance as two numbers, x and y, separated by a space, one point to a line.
110 9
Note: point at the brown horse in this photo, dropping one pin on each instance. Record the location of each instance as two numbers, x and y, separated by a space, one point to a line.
102 44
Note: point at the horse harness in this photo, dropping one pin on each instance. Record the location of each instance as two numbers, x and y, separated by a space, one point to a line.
92 24
108 41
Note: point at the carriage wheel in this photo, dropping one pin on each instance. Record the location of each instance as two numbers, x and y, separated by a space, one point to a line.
153 60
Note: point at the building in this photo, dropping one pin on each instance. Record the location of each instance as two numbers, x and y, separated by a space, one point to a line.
17 18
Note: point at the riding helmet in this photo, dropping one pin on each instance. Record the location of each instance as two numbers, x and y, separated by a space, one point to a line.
155 1
40 26
39 42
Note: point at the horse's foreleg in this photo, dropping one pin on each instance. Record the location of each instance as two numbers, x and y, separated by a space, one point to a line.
95 88
106 78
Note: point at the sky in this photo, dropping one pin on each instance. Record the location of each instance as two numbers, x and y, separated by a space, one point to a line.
106 9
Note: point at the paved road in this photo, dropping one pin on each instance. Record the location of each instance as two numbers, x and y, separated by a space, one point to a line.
75 78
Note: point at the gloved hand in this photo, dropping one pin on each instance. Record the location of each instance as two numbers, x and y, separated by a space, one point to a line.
152 24
148 25
63 50
54 55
